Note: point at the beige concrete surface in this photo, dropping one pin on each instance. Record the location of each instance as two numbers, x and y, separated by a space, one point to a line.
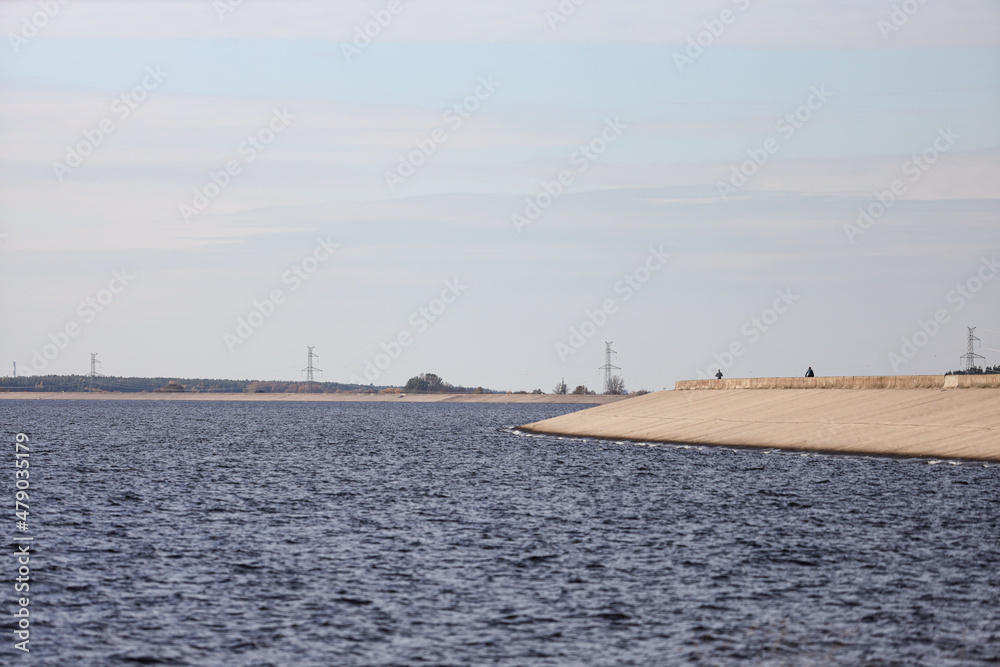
328 398
922 422
849 382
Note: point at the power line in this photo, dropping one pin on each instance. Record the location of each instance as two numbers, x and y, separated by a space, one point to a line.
93 368
971 356
309 369
608 367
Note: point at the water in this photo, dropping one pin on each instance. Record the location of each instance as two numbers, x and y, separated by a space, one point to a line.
404 534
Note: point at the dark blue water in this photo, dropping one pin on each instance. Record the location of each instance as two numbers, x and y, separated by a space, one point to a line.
403 534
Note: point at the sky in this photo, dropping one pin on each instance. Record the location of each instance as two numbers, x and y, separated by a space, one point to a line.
493 191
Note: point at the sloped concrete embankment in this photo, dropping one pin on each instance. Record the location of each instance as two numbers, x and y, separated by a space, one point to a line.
921 416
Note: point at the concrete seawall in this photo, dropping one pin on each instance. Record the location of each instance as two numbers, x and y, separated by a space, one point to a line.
922 416
568 399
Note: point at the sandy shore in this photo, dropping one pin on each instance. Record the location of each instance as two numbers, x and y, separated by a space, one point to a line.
922 422
321 398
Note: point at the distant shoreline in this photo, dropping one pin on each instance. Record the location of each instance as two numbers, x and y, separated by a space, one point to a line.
542 399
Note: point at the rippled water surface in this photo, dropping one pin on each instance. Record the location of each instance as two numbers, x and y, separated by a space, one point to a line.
406 534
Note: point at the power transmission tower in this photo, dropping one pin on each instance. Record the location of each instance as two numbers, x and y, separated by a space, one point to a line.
971 356
93 368
310 368
608 367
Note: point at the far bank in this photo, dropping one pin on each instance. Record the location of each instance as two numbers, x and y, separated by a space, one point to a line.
554 399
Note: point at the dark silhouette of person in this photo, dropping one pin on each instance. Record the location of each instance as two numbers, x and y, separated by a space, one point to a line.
809 373
719 374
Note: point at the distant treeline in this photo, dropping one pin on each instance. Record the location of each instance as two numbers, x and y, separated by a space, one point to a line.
431 383
989 370
136 384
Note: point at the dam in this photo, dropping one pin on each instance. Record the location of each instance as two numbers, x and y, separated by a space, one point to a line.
954 416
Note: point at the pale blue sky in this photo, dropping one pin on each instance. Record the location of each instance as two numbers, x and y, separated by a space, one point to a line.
655 186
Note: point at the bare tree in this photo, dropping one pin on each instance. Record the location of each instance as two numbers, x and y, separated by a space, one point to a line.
616 385
561 388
